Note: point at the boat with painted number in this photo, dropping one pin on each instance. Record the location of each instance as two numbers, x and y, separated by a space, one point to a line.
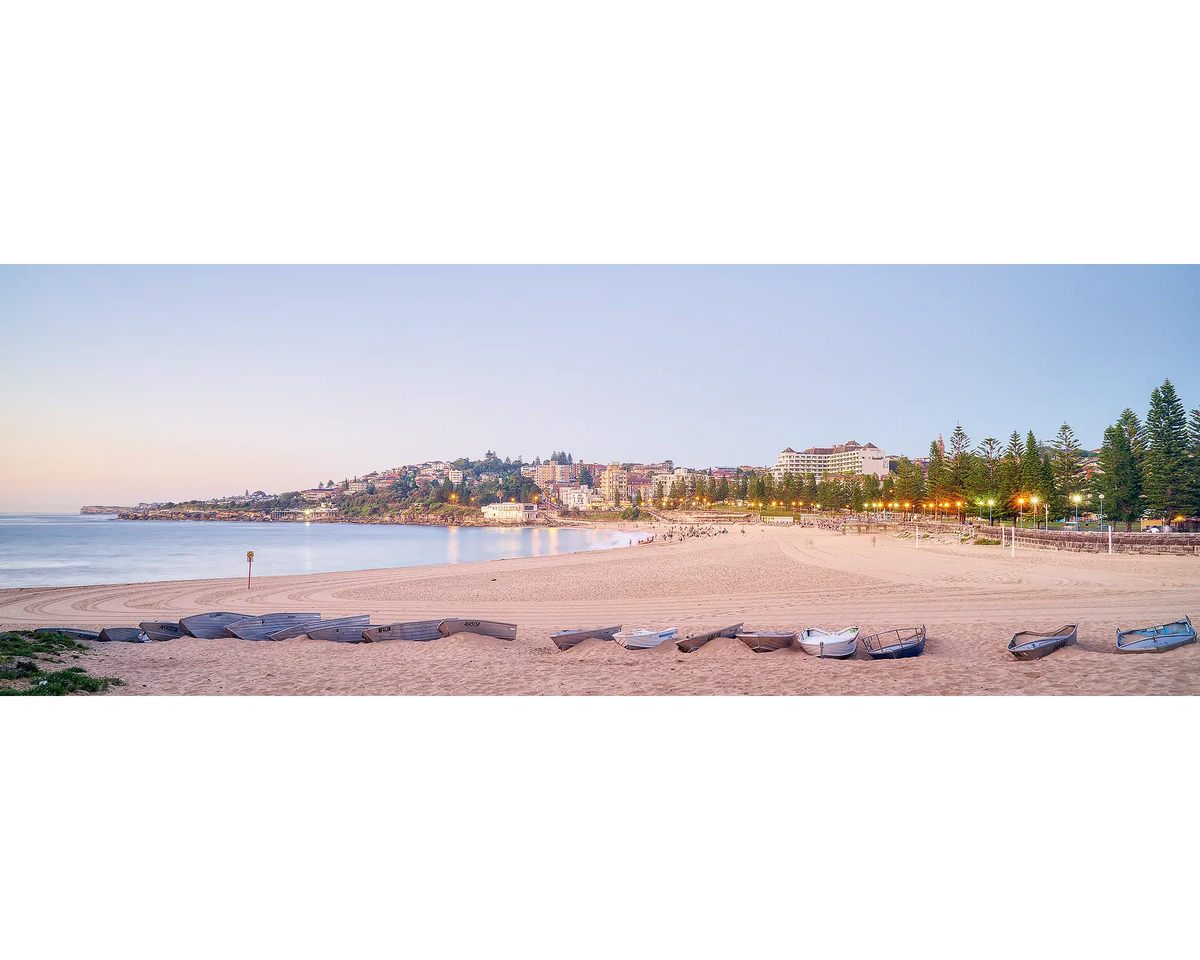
696 641
640 639
566 639
485 628
896 644
72 632
210 626
162 629
123 635
416 630
261 628
1035 644
1160 639
767 641
835 645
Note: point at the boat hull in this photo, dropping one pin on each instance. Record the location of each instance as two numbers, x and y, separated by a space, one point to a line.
766 641
341 633
261 628
122 635
162 629
694 643
644 640
485 628
71 632
566 639
300 629
829 646
1036 645
210 626
1160 639
896 644
419 631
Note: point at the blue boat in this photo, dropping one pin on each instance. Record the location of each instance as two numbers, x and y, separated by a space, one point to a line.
1167 636
896 644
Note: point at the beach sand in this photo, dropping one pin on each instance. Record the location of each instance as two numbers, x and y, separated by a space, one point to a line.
971 598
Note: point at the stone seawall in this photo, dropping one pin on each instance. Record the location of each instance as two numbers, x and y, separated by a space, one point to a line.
1169 544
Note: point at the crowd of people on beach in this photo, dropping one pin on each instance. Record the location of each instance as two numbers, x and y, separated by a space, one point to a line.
694 530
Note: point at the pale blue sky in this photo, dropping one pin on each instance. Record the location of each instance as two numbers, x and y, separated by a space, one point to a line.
132 383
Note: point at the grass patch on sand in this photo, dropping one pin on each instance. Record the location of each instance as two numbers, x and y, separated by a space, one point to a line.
27 678
985 542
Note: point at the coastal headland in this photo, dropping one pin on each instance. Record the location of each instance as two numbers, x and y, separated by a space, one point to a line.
971 598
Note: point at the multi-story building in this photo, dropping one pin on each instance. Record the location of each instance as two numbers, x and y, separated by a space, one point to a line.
846 458
613 482
576 498
314 495
549 473
456 476
358 486
510 512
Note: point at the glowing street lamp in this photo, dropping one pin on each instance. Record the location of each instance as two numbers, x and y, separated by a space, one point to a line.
1021 505
1034 501
1075 497
1101 511
991 503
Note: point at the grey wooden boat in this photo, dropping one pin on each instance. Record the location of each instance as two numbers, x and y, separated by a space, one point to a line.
566 639
898 644
767 641
1032 644
485 628
123 635
210 626
358 621
341 632
1167 636
696 641
261 628
162 629
417 630
72 632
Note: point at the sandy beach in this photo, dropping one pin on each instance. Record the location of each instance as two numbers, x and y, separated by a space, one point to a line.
971 598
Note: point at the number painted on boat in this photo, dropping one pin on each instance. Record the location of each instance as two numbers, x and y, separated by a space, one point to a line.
470 623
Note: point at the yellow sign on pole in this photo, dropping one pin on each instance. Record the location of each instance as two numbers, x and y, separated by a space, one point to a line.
249 555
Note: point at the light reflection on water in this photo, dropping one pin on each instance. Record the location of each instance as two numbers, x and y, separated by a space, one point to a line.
61 550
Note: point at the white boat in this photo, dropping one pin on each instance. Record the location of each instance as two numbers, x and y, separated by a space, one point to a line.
644 639
831 646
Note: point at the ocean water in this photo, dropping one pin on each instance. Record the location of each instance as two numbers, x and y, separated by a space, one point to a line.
43 550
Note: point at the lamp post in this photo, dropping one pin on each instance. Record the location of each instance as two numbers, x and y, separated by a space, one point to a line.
1075 497
1034 500
1102 512
958 510
1021 511
991 503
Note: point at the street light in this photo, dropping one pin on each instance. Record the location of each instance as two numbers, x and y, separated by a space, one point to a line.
1075 497
1021 505
1101 512
991 503
1034 500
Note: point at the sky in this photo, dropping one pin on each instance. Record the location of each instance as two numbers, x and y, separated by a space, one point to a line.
125 384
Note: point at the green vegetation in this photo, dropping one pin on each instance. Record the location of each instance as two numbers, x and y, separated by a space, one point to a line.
27 678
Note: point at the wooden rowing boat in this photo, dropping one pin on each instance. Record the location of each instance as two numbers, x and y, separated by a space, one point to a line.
210 626
485 628
261 628
1160 639
162 629
566 639
696 641
1032 644
767 641
896 644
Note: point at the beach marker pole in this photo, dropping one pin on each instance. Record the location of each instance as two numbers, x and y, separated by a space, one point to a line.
1110 539
918 536
249 566
1014 542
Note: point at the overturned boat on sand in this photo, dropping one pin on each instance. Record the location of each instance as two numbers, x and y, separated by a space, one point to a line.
418 630
1166 636
162 629
767 641
696 641
1034 644
261 628
341 632
566 639
123 635
72 632
300 629
210 626
485 628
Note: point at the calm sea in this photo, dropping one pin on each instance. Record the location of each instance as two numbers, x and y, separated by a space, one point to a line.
41 550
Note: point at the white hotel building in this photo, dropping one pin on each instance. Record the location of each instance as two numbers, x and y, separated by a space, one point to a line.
846 458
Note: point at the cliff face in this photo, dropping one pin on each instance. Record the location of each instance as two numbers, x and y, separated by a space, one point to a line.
408 517
91 510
